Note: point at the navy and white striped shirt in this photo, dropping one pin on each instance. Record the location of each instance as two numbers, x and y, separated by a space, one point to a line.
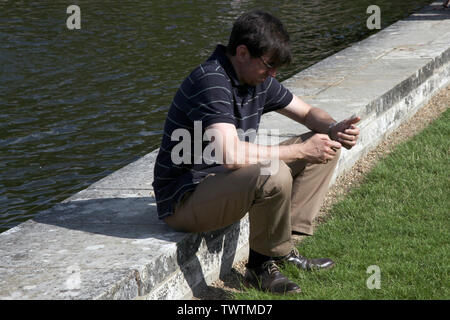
210 94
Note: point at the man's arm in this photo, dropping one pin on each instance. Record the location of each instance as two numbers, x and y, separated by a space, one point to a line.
318 120
318 149
237 154
315 119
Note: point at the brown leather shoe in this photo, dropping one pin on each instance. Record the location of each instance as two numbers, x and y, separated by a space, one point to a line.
269 278
306 264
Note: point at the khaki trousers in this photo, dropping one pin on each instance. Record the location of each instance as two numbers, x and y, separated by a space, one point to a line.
278 204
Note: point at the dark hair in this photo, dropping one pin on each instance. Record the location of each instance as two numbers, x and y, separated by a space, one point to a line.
261 33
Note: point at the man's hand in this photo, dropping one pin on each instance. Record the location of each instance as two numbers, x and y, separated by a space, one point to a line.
346 132
319 148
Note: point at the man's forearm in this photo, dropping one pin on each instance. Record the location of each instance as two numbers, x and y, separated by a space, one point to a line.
318 120
300 111
317 149
244 153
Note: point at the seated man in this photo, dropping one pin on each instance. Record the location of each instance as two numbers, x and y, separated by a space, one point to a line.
220 99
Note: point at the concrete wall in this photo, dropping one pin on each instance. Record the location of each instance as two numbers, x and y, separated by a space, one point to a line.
105 242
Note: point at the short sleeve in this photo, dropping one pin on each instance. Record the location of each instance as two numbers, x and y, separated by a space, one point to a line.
277 96
209 98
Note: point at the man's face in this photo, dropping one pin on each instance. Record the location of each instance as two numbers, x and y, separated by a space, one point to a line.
257 70
254 70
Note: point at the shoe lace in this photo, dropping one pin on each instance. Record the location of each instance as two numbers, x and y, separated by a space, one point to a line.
295 253
271 267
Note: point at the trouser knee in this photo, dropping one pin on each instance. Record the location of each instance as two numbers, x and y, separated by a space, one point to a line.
280 181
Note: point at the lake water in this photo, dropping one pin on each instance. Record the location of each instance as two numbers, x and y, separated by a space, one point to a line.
77 105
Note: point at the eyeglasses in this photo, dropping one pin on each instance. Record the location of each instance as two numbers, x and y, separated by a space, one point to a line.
268 65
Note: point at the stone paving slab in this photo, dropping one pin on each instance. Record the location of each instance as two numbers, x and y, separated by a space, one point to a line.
106 242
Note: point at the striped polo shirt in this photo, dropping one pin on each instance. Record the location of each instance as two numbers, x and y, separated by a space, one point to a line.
210 94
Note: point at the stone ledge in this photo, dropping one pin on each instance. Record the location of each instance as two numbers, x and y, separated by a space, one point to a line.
106 242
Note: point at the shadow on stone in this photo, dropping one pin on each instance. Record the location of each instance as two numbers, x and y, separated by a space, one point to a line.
221 242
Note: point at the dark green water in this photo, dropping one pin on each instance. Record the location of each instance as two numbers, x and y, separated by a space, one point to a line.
77 105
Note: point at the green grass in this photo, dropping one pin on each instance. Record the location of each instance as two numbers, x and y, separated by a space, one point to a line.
398 219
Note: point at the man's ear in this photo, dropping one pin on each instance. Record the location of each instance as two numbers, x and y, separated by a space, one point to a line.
242 53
